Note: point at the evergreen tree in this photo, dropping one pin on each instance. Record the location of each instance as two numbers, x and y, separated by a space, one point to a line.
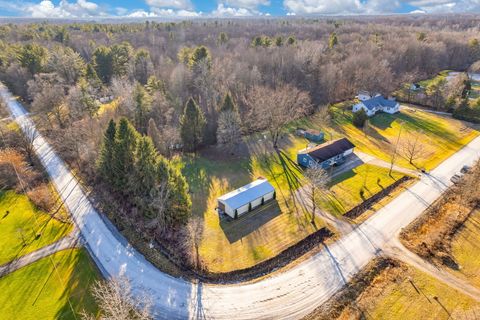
192 126
103 63
179 203
144 173
142 108
333 40
291 40
359 118
92 77
228 104
222 38
121 55
200 54
124 154
105 162
279 41
153 85
33 57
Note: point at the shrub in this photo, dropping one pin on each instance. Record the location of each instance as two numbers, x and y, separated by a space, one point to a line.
42 197
359 118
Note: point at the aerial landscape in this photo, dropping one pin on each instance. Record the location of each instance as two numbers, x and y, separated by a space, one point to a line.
240 159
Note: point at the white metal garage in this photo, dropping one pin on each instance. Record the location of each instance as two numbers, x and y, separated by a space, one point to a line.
246 198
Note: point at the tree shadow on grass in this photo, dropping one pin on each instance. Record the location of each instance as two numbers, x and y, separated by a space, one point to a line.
237 229
77 285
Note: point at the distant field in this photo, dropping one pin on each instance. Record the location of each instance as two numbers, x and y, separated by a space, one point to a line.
25 224
54 287
407 293
346 189
466 250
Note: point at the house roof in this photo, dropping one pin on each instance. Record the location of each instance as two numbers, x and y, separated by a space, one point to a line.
379 102
246 194
329 149
313 132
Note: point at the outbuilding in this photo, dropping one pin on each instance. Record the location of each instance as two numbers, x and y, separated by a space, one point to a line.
246 198
326 155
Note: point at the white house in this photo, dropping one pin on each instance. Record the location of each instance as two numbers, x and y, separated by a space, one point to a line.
377 103
246 198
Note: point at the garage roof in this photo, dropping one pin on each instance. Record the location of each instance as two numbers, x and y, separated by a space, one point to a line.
246 194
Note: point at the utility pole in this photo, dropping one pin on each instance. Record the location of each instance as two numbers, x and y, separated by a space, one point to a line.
394 155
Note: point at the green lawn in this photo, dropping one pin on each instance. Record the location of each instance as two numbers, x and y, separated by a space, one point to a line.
25 228
438 136
260 235
54 287
412 294
441 76
214 172
345 190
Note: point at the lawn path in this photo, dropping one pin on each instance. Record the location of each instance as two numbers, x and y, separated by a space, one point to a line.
67 242
369 159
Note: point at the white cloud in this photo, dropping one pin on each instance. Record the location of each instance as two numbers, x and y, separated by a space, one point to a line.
248 4
223 11
418 11
176 4
170 13
378 6
65 9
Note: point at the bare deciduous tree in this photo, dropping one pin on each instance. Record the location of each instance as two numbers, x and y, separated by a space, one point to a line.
229 132
116 301
412 148
273 109
26 141
317 182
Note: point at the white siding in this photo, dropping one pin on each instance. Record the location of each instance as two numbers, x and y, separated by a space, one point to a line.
256 203
349 151
268 196
242 210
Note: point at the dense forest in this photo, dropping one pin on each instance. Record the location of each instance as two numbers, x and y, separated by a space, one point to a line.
118 100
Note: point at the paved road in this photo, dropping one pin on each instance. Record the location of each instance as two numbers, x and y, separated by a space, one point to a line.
288 295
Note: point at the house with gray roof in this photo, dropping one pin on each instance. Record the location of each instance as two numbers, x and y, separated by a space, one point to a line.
377 103
326 155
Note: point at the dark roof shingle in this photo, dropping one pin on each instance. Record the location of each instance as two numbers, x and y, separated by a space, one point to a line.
330 149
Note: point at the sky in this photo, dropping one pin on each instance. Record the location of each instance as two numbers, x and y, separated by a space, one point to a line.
226 8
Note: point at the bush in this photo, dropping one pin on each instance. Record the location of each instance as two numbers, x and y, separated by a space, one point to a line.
12 163
359 118
42 197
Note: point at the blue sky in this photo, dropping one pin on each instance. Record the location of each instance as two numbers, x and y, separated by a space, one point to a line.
226 8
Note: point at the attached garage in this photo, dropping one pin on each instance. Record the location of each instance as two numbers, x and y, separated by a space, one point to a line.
246 198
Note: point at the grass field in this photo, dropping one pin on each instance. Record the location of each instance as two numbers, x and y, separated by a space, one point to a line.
24 224
440 77
466 250
438 136
406 293
54 287
214 172
351 188
262 234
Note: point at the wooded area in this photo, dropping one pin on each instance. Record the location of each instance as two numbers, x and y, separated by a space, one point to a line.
119 100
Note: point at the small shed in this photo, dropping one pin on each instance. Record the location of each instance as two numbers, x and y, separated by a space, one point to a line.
246 198
313 135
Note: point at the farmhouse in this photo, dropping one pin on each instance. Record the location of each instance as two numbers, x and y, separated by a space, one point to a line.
246 198
326 155
377 103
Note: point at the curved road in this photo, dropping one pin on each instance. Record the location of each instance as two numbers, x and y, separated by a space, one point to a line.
288 295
